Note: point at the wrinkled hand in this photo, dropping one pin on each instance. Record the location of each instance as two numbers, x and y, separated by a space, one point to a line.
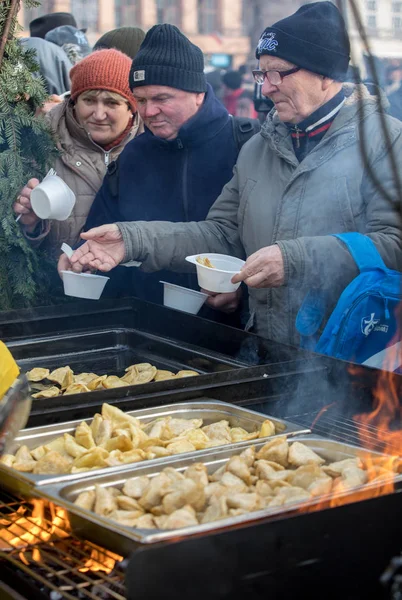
226 303
22 206
263 269
63 264
103 250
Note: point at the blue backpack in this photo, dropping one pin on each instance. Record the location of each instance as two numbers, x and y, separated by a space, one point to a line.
363 322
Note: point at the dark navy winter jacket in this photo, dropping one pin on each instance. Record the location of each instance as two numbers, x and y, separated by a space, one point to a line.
161 180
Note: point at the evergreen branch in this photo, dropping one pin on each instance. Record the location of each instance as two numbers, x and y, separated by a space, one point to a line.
15 4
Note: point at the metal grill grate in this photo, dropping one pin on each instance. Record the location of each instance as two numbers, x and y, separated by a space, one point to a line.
54 567
331 425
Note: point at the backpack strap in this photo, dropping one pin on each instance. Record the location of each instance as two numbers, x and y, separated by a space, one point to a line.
363 251
243 129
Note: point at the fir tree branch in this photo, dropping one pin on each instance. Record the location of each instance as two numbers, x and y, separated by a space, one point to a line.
14 7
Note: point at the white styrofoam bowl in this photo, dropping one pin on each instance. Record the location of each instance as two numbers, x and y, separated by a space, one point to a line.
181 298
218 279
83 285
52 199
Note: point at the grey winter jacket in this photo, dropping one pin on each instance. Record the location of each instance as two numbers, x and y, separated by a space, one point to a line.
272 198
82 165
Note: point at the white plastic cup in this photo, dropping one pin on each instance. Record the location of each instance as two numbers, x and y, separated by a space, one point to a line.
83 285
219 278
52 199
181 298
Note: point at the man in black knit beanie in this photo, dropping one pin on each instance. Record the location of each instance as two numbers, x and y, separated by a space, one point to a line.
181 162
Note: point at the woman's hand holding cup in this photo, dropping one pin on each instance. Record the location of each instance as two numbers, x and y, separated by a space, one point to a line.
22 206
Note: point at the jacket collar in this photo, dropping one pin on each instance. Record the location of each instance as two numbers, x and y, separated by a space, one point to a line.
204 125
358 105
65 112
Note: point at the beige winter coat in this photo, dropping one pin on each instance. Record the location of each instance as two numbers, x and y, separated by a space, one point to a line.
82 165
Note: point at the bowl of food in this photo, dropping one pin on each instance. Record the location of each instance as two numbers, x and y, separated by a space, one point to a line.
83 285
181 298
215 271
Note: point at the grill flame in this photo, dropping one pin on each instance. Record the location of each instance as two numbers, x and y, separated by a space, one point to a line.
28 527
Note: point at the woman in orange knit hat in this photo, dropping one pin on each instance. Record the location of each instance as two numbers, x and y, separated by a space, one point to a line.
91 126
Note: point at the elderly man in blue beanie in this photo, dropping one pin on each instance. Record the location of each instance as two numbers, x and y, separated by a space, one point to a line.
298 182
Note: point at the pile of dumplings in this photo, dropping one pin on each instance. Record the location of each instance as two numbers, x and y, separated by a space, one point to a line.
69 383
278 475
116 438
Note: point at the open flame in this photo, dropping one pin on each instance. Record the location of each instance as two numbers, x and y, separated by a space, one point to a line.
28 527
376 429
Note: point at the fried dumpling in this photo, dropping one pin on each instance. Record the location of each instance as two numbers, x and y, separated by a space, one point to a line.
85 378
83 436
96 384
139 367
23 460
145 522
184 492
276 450
239 467
130 377
180 446
238 434
76 388
37 374
113 382
336 468
105 502
267 429
247 501
86 500
218 431
120 442
50 392
117 416
72 447
52 463
157 487
126 517
7 459
94 458
186 373
127 503
146 376
162 375
198 473
103 432
135 487
64 376
183 517
300 455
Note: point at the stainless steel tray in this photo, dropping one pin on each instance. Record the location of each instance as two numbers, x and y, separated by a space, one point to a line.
209 410
124 540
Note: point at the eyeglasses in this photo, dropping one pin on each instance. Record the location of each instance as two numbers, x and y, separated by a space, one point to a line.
274 77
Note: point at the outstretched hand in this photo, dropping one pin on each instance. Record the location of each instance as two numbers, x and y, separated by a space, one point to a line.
103 250
263 269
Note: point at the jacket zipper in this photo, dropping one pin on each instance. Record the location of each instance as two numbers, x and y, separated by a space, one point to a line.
297 132
341 328
184 190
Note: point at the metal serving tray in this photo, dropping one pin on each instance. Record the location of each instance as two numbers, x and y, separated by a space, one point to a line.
124 540
209 410
111 351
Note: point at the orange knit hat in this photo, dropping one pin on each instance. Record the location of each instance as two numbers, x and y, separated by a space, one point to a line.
103 70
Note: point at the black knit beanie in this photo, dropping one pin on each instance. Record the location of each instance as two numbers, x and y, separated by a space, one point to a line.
167 57
125 39
314 38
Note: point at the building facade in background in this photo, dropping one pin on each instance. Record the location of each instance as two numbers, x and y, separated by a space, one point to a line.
228 30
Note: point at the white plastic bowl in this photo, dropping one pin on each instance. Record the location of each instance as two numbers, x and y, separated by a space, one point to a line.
83 285
218 279
181 298
52 199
